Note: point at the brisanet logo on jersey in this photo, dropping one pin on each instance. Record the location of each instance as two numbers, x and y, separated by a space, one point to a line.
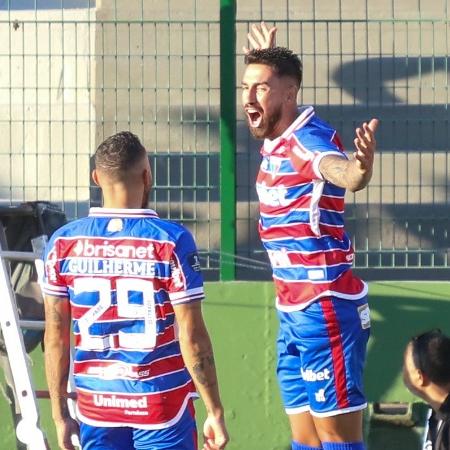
108 249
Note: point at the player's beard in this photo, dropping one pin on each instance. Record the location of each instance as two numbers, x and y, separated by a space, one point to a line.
267 125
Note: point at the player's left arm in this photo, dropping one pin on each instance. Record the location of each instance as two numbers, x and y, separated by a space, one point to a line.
198 356
57 366
353 174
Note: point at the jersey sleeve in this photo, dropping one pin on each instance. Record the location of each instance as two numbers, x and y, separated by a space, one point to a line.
54 284
186 280
310 145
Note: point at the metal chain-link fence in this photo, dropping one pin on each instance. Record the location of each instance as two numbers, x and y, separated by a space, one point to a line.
75 71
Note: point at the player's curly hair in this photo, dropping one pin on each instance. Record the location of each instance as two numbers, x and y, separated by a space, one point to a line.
282 60
119 153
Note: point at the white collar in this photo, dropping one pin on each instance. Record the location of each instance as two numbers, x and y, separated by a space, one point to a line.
122 212
305 113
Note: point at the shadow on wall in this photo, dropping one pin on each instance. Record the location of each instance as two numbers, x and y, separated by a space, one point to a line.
374 85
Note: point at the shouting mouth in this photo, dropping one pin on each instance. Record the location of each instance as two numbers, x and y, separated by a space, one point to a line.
254 117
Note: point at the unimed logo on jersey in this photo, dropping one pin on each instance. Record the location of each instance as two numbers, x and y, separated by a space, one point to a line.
107 249
112 401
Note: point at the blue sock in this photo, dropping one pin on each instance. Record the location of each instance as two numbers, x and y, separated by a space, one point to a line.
297 446
343 446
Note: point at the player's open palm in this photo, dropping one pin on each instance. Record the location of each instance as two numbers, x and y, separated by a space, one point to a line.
365 144
261 36
215 434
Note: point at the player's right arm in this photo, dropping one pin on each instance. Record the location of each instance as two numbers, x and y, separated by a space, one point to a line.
353 174
198 356
57 366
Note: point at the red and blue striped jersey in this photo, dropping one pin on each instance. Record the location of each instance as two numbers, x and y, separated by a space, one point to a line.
123 270
302 216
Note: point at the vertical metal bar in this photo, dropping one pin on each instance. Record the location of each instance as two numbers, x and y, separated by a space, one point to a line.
89 87
369 187
196 154
10 101
63 38
169 106
182 88
24 170
447 126
227 138
155 111
129 78
419 230
103 80
433 124
116 75
208 140
394 123
381 154
75 189
49 106
142 73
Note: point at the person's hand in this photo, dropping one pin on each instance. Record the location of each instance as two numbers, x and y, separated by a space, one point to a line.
366 145
261 36
65 429
214 433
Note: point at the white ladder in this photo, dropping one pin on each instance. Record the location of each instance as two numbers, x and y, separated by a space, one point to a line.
27 430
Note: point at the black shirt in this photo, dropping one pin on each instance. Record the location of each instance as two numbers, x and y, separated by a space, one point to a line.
438 436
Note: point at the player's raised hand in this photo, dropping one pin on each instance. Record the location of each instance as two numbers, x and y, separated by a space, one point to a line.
366 145
261 36
214 433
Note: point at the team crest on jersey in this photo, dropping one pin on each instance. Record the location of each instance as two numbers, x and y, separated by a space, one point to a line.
271 165
320 396
50 264
274 166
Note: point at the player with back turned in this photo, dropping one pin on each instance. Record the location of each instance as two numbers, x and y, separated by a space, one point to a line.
322 306
130 284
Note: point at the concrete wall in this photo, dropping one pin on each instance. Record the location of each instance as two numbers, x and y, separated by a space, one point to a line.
47 73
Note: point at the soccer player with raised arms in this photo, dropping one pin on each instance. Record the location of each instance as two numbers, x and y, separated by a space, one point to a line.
322 306
130 284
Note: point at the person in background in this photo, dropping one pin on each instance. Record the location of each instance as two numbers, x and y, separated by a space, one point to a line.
426 373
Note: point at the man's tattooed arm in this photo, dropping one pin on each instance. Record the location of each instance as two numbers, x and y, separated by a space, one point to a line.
344 173
198 355
57 353
353 174
202 368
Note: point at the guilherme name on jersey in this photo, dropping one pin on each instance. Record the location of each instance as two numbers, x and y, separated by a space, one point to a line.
94 266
